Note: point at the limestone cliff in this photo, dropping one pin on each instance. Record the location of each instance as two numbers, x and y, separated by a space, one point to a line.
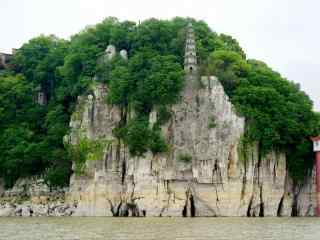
220 178
207 171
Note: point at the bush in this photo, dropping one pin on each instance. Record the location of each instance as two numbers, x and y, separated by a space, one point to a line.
164 115
137 135
212 123
158 143
185 157
86 149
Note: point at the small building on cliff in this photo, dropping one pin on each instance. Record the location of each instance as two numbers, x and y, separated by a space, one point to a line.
4 59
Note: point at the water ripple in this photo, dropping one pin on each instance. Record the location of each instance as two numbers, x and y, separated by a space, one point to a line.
74 228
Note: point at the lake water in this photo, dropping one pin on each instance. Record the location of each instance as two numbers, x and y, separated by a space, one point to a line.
74 228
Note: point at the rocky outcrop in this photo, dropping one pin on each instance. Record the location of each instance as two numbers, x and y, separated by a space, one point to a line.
32 197
206 173
207 170
29 209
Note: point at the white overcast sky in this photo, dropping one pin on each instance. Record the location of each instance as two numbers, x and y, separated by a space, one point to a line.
283 33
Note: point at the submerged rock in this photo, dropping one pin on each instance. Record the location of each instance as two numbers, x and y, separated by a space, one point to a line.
7 210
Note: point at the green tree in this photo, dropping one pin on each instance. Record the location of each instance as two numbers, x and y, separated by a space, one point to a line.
229 67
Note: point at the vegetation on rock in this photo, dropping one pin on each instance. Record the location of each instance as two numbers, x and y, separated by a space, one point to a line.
185 157
86 150
279 115
212 123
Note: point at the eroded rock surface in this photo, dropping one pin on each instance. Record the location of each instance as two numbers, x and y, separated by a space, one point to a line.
221 179
207 172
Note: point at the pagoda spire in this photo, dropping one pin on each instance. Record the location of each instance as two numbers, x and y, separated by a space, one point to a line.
190 56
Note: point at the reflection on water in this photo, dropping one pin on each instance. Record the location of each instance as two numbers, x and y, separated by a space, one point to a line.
74 228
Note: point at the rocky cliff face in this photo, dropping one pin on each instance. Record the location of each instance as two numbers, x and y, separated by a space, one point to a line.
206 173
